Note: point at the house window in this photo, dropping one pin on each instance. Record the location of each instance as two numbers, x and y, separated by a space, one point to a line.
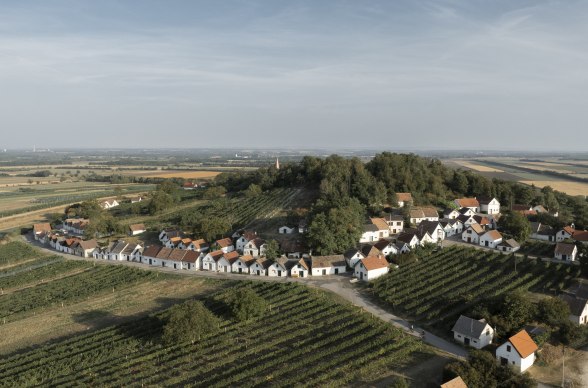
488 332
508 348
458 336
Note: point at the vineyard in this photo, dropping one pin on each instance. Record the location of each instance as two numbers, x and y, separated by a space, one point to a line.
305 339
437 288
34 281
538 248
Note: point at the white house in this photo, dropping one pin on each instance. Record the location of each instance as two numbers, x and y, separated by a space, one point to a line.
370 268
225 244
542 232
433 229
39 229
403 199
409 237
298 268
243 238
328 265
210 260
565 251
109 204
285 229
578 308
509 246
472 332
518 352
191 260
491 239
259 267
489 205
451 214
199 245
471 203
472 234
395 223
136 229
451 226
255 247
386 247
352 256
242 264
75 225
377 229
419 214
564 234
85 248
226 261
149 255
167 234
402 247
278 268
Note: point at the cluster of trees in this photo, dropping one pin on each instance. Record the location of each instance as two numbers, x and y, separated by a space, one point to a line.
101 221
374 183
190 320
243 304
166 195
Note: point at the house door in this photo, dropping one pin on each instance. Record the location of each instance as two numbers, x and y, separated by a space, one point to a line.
175 266
324 271
163 263
466 341
240 270
188 265
226 269
336 271
503 361
279 273
258 273
150 261
301 274
469 239
361 276
486 242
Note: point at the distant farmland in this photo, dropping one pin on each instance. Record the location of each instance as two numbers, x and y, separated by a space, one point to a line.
566 176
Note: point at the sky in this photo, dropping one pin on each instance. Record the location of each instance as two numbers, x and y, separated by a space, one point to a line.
452 74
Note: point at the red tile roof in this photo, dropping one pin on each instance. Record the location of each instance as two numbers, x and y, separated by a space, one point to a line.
523 343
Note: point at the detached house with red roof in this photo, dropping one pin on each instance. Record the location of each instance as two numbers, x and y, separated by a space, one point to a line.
403 199
518 352
471 203
473 233
375 230
225 244
370 268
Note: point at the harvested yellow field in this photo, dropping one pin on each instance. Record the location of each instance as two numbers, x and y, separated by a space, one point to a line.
186 174
541 166
571 188
477 167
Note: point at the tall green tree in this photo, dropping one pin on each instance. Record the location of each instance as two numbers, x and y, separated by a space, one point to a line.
515 224
272 250
189 321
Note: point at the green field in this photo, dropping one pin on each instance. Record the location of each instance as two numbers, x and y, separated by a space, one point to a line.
306 339
435 290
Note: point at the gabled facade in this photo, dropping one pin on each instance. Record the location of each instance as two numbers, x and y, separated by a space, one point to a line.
285 229
491 239
471 203
243 238
375 230
298 268
225 244
489 205
242 264
259 267
278 268
510 245
352 256
518 352
255 248
370 268
578 308
419 214
386 247
472 332
403 199
210 260
328 265
565 251
472 234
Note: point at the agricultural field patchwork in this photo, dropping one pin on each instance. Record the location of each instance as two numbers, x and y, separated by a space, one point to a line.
303 329
438 288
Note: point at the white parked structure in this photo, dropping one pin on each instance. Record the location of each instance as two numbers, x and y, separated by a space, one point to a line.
298 268
386 247
226 261
370 268
491 239
243 238
328 265
136 229
210 260
352 256
473 332
542 232
85 248
255 248
225 244
566 251
451 226
472 234
75 225
518 352
41 230
451 214
278 268
259 267
578 308
489 205
109 204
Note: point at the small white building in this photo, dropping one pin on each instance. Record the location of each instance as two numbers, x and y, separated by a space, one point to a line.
225 244
578 308
352 256
259 267
375 230
451 226
473 332
451 214
489 205
491 239
243 238
403 199
472 234
278 268
255 248
210 260
370 268
242 264
109 204
386 247
226 261
409 237
85 248
509 246
41 229
518 352
285 229
564 234
136 229
565 251
471 203
419 214
328 265
298 268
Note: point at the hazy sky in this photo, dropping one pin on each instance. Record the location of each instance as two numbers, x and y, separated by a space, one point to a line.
317 73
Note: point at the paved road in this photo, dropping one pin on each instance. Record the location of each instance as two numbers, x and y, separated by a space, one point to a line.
339 285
